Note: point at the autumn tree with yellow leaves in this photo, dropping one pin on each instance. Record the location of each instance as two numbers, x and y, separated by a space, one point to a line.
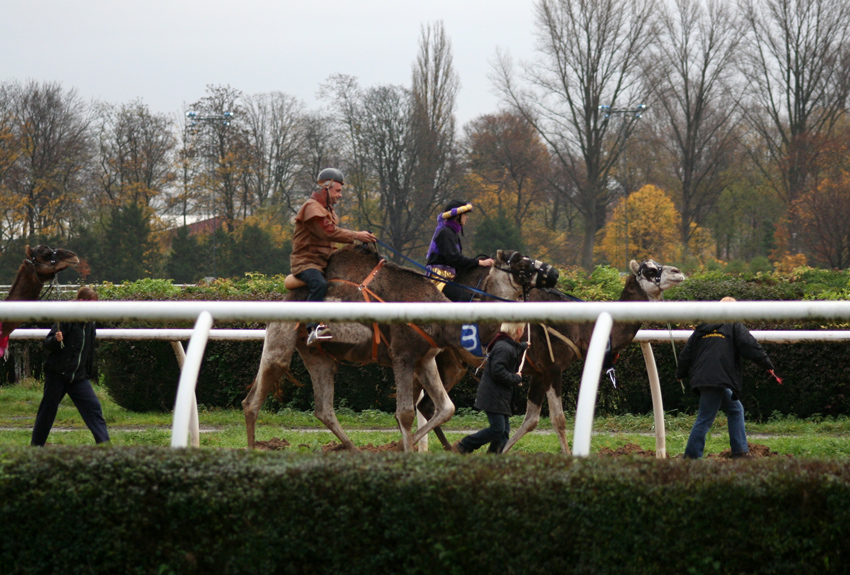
643 225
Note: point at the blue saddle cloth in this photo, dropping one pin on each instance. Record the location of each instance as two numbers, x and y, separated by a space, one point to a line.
470 339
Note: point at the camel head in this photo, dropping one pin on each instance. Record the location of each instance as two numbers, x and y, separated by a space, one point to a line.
654 277
522 274
48 262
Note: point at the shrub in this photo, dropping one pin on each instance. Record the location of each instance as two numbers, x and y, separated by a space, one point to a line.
148 510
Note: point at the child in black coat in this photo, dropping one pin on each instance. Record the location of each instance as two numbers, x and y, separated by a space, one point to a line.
501 376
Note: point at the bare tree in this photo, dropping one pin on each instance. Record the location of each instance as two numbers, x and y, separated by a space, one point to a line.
47 179
434 92
506 152
9 151
797 62
689 75
400 152
320 149
387 143
135 154
275 131
221 145
589 52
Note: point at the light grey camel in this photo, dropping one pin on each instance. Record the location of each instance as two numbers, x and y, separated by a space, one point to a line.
409 350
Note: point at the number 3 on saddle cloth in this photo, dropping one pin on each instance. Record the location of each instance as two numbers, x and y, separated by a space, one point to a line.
470 339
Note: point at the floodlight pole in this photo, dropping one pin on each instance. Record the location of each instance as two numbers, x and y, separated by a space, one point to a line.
193 119
630 116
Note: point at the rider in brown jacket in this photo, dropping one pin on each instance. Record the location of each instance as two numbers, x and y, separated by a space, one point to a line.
316 230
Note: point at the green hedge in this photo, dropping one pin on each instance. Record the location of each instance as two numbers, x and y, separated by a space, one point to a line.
158 511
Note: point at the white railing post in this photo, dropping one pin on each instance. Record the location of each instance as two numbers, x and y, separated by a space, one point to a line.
657 403
590 384
188 380
194 424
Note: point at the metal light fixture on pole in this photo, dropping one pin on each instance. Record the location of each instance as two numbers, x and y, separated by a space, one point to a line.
630 116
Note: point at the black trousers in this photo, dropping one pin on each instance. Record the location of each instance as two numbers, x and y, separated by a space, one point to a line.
316 283
457 293
496 435
83 396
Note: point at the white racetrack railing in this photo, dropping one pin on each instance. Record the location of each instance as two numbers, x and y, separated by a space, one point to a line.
603 313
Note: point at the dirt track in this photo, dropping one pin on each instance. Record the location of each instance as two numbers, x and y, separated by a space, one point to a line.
756 450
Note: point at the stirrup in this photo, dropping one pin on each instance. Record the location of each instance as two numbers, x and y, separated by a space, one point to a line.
320 333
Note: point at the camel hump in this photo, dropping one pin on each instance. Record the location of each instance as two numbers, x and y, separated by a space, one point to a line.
291 282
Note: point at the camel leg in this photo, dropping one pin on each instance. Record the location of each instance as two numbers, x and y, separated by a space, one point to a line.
451 370
322 370
556 413
536 392
405 410
278 346
429 377
426 408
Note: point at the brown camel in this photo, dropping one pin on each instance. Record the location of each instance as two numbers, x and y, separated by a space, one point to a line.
409 350
558 347
39 267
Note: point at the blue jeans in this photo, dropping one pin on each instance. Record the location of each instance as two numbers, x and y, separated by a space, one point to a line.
318 286
711 400
496 435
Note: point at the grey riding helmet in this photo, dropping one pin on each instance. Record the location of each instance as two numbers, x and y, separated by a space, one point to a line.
331 174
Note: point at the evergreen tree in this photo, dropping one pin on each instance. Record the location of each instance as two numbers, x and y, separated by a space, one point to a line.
125 254
252 249
186 260
497 233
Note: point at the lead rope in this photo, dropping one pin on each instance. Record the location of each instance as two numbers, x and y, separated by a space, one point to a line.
524 353
49 291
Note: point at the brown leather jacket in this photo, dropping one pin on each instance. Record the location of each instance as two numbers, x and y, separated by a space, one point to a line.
315 233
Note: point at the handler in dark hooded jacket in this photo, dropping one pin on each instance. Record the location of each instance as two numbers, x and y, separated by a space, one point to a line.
67 369
500 378
713 360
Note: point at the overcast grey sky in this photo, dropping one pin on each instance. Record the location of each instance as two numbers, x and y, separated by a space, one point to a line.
165 52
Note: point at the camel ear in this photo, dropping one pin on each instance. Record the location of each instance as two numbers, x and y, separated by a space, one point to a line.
30 254
634 266
500 256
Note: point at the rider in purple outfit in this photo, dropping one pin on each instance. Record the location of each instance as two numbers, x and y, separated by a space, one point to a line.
445 254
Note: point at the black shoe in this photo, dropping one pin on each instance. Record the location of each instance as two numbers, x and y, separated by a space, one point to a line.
319 333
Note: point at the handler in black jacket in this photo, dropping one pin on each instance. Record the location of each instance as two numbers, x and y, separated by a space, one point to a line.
500 377
67 369
712 358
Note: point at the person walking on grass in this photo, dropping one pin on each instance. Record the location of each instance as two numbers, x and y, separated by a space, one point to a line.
495 391
67 370
712 358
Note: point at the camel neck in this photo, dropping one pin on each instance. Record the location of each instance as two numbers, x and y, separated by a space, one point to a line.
27 286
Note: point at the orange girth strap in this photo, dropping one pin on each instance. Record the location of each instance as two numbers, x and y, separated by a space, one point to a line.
367 293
